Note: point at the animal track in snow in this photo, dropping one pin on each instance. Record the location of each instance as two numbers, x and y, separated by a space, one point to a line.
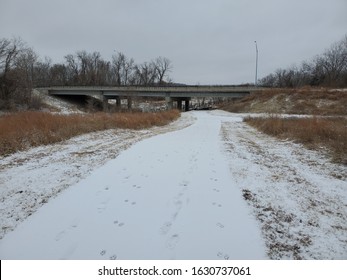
220 225
132 203
165 228
101 208
117 223
221 255
216 204
172 241
184 183
60 235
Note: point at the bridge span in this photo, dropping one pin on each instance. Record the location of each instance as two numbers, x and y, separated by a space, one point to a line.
171 94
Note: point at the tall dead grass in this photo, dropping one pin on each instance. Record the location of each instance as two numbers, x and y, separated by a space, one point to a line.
314 132
305 101
27 129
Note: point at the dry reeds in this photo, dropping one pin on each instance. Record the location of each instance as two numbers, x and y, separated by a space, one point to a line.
314 132
307 101
27 129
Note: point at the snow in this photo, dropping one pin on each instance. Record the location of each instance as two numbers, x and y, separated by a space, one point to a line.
29 179
205 187
299 197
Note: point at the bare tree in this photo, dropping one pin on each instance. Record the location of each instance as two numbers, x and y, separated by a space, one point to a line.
146 74
58 75
72 69
334 62
42 72
9 51
123 69
163 66
329 69
24 68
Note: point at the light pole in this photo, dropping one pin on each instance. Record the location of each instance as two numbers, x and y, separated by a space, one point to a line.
256 64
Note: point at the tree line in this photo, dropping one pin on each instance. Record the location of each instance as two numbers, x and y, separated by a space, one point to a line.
328 69
21 70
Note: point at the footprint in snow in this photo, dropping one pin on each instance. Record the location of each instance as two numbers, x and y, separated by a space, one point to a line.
184 184
132 203
222 256
117 223
60 235
101 207
220 225
217 204
165 228
172 242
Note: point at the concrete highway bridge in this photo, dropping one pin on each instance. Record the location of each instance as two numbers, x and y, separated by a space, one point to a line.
171 94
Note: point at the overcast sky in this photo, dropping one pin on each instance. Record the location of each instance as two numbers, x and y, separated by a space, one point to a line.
207 41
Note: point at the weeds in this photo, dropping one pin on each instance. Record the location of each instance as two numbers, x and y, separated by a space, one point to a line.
27 129
308 101
314 132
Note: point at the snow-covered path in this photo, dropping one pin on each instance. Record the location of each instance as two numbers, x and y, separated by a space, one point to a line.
210 188
167 197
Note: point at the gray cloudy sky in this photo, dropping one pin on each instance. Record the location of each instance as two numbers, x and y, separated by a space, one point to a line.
208 41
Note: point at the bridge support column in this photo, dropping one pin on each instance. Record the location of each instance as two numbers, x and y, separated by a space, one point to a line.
169 102
186 105
118 102
105 103
130 102
179 104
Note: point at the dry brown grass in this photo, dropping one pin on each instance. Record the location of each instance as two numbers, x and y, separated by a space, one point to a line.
314 132
313 101
27 129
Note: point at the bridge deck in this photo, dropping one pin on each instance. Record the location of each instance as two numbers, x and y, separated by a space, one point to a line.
175 92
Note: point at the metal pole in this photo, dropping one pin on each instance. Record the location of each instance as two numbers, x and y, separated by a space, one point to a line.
256 64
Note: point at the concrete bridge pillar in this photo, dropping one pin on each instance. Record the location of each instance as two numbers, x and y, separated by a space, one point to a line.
186 105
130 102
169 102
179 104
105 103
118 102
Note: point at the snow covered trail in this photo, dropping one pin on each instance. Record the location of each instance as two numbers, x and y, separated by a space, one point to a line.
31 178
298 195
167 197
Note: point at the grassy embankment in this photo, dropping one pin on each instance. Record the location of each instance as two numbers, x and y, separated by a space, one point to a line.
319 131
303 101
28 129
